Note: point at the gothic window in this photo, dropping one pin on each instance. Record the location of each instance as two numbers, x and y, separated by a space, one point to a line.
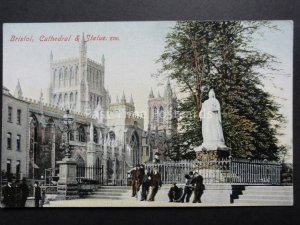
95 136
71 98
8 140
71 80
76 75
81 132
65 98
161 114
61 78
18 142
19 113
66 78
10 111
155 115
60 99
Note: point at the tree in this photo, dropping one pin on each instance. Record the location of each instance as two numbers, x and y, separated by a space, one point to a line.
204 55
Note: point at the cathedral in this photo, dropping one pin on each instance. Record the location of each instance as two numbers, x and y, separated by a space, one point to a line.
104 133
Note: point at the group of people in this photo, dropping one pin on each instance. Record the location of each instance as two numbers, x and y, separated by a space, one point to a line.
141 177
194 183
150 182
15 194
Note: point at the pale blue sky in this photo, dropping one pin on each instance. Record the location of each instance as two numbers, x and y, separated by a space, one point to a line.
129 61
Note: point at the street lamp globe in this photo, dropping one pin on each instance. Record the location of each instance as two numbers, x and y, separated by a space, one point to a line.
68 119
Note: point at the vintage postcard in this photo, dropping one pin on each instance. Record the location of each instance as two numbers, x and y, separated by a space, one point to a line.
147 114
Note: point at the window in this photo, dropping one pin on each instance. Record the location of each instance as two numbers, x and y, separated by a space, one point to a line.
8 140
18 167
8 166
81 132
10 109
161 114
18 142
155 115
19 116
95 136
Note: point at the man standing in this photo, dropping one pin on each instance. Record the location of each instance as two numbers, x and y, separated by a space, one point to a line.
24 192
145 185
37 194
199 187
155 183
141 173
188 188
8 194
134 180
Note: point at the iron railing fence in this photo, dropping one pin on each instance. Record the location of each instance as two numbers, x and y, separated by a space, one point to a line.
233 171
90 175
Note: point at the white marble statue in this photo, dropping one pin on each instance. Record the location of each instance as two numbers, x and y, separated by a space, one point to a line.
212 131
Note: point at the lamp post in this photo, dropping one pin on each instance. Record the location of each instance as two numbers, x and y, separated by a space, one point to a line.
68 120
67 183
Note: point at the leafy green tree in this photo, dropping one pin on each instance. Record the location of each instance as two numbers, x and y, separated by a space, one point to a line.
204 55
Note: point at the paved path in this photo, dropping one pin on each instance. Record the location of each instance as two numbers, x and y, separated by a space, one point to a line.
123 203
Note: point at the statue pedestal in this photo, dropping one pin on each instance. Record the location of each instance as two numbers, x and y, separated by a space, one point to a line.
212 152
67 184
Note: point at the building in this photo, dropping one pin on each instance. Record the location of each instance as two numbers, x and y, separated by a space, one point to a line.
103 134
162 124
15 156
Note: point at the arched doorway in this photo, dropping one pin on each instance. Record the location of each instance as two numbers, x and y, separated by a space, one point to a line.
135 148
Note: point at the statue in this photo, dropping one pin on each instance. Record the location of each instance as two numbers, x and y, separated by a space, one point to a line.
212 131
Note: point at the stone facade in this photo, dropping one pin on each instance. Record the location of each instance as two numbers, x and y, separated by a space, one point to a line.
103 133
162 123
14 134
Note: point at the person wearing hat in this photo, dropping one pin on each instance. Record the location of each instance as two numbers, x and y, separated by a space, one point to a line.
24 192
8 195
199 187
37 194
145 185
155 183
174 193
134 177
140 176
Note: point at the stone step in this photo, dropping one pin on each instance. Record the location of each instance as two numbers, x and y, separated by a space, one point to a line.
107 193
115 187
269 188
262 202
110 190
266 197
105 197
266 192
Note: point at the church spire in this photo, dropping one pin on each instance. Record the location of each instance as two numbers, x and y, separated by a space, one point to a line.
51 57
18 91
168 90
151 95
123 100
131 100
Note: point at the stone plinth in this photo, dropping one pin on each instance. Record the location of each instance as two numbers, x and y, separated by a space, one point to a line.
67 183
205 155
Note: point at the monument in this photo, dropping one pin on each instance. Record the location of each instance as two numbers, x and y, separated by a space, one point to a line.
213 145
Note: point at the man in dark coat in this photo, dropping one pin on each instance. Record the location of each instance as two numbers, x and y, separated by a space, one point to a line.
155 183
37 194
8 195
24 192
174 193
188 188
146 182
199 187
140 175
134 179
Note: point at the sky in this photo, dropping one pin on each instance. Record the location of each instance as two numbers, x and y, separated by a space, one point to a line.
130 60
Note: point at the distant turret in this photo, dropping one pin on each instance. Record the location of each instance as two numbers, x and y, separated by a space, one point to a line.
123 100
131 100
18 91
151 95
168 91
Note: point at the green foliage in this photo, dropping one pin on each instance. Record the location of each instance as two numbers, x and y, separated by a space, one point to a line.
204 55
